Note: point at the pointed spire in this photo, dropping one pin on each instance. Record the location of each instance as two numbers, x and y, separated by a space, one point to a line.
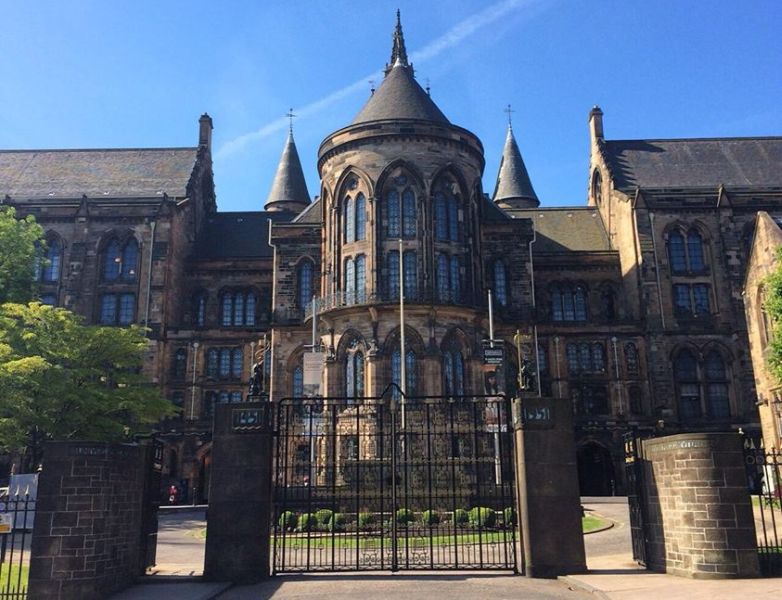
398 51
514 188
289 189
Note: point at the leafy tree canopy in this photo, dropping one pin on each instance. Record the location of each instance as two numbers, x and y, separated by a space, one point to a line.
773 307
21 248
61 379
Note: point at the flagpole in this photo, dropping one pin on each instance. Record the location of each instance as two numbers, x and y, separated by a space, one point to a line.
402 361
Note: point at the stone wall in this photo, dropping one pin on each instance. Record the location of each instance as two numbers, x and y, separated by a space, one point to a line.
88 540
697 507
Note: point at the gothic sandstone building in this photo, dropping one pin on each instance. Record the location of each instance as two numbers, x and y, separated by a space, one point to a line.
634 300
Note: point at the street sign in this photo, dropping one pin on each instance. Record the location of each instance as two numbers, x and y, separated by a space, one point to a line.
493 356
313 373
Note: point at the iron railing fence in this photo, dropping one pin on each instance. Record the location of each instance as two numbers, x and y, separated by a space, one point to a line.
17 512
379 484
764 478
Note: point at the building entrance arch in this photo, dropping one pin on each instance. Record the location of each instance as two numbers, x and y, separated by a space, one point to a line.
596 475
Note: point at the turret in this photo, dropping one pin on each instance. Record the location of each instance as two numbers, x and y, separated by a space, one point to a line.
289 189
514 188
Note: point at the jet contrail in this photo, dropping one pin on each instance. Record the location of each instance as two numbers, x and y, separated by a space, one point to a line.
451 38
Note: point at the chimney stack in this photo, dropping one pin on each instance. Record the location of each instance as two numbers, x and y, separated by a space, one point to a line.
205 131
595 124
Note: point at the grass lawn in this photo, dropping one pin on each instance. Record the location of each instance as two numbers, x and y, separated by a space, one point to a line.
12 585
590 523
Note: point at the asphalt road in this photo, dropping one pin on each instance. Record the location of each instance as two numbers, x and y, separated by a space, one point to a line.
611 542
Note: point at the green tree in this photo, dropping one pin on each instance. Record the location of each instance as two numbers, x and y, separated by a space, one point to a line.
61 379
773 306
21 249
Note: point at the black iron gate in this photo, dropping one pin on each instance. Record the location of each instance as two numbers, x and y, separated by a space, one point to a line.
17 511
764 479
635 498
389 484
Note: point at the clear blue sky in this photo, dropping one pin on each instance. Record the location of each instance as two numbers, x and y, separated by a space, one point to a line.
83 74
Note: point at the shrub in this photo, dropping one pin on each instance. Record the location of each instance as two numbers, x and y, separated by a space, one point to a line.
404 516
460 516
324 516
366 520
287 521
430 517
509 516
481 516
308 522
337 522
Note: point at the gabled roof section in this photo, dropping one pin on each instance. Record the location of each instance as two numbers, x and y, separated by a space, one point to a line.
399 95
289 188
514 188
695 163
563 230
112 173
229 235
310 215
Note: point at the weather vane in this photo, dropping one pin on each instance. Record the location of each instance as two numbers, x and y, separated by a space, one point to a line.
290 116
510 111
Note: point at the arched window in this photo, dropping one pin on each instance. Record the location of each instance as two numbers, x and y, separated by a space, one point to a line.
393 222
631 358
361 218
212 357
225 363
440 216
361 280
410 373
580 303
130 260
392 275
453 372
298 382
453 219
443 291
685 373
408 213
354 375
717 401
695 251
597 186
411 275
608 304
180 363
199 309
112 261
117 309
676 253
350 281
236 363
349 220
456 279
51 269
304 283
500 286
586 357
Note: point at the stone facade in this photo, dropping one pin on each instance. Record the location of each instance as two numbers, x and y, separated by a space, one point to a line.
763 260
615 293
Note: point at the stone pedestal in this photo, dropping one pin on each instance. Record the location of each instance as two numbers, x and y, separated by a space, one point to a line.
239 515
547 487
699 520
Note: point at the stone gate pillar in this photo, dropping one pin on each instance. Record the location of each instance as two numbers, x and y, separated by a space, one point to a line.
239 514
547 487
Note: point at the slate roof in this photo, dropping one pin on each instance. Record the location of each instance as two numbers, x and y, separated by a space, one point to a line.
228 235
695 163
562 230
113 173
400 97
289 185
513 183
310 215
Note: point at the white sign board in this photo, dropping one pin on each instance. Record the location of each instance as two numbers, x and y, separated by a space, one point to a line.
314 363
6 522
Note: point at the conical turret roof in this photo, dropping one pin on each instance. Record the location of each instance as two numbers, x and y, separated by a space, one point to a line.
399 95
289 188
514 188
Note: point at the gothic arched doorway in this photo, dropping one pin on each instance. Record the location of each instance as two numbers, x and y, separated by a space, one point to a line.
595 470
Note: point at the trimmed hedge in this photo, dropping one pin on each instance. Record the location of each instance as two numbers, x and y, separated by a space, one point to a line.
308 522
287 520
404 516
460 516
482 516
324 515
366 520
337 522
430 517
509 516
